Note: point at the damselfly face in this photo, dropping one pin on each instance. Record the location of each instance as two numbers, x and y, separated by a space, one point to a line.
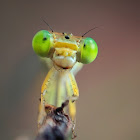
64 49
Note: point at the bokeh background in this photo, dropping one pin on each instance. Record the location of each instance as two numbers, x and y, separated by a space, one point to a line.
109 103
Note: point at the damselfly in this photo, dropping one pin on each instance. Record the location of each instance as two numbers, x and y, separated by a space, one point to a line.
68 53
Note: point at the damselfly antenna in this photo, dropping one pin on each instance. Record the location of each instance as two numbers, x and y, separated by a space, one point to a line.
89 31
47 24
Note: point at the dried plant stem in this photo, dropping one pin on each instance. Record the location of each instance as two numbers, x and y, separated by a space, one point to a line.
57 125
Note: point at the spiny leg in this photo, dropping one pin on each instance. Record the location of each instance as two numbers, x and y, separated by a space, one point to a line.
73 93
76 68
48 90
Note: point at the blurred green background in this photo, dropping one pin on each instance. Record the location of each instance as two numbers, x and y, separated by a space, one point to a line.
109 103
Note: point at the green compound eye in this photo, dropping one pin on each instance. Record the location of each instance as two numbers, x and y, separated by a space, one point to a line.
89 50
42 43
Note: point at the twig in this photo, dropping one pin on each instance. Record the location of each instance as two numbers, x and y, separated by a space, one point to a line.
57 126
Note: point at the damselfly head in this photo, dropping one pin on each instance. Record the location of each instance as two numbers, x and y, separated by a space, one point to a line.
64 49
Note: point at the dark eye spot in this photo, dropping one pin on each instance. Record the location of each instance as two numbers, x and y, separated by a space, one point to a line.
84 45
67 37
44 38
